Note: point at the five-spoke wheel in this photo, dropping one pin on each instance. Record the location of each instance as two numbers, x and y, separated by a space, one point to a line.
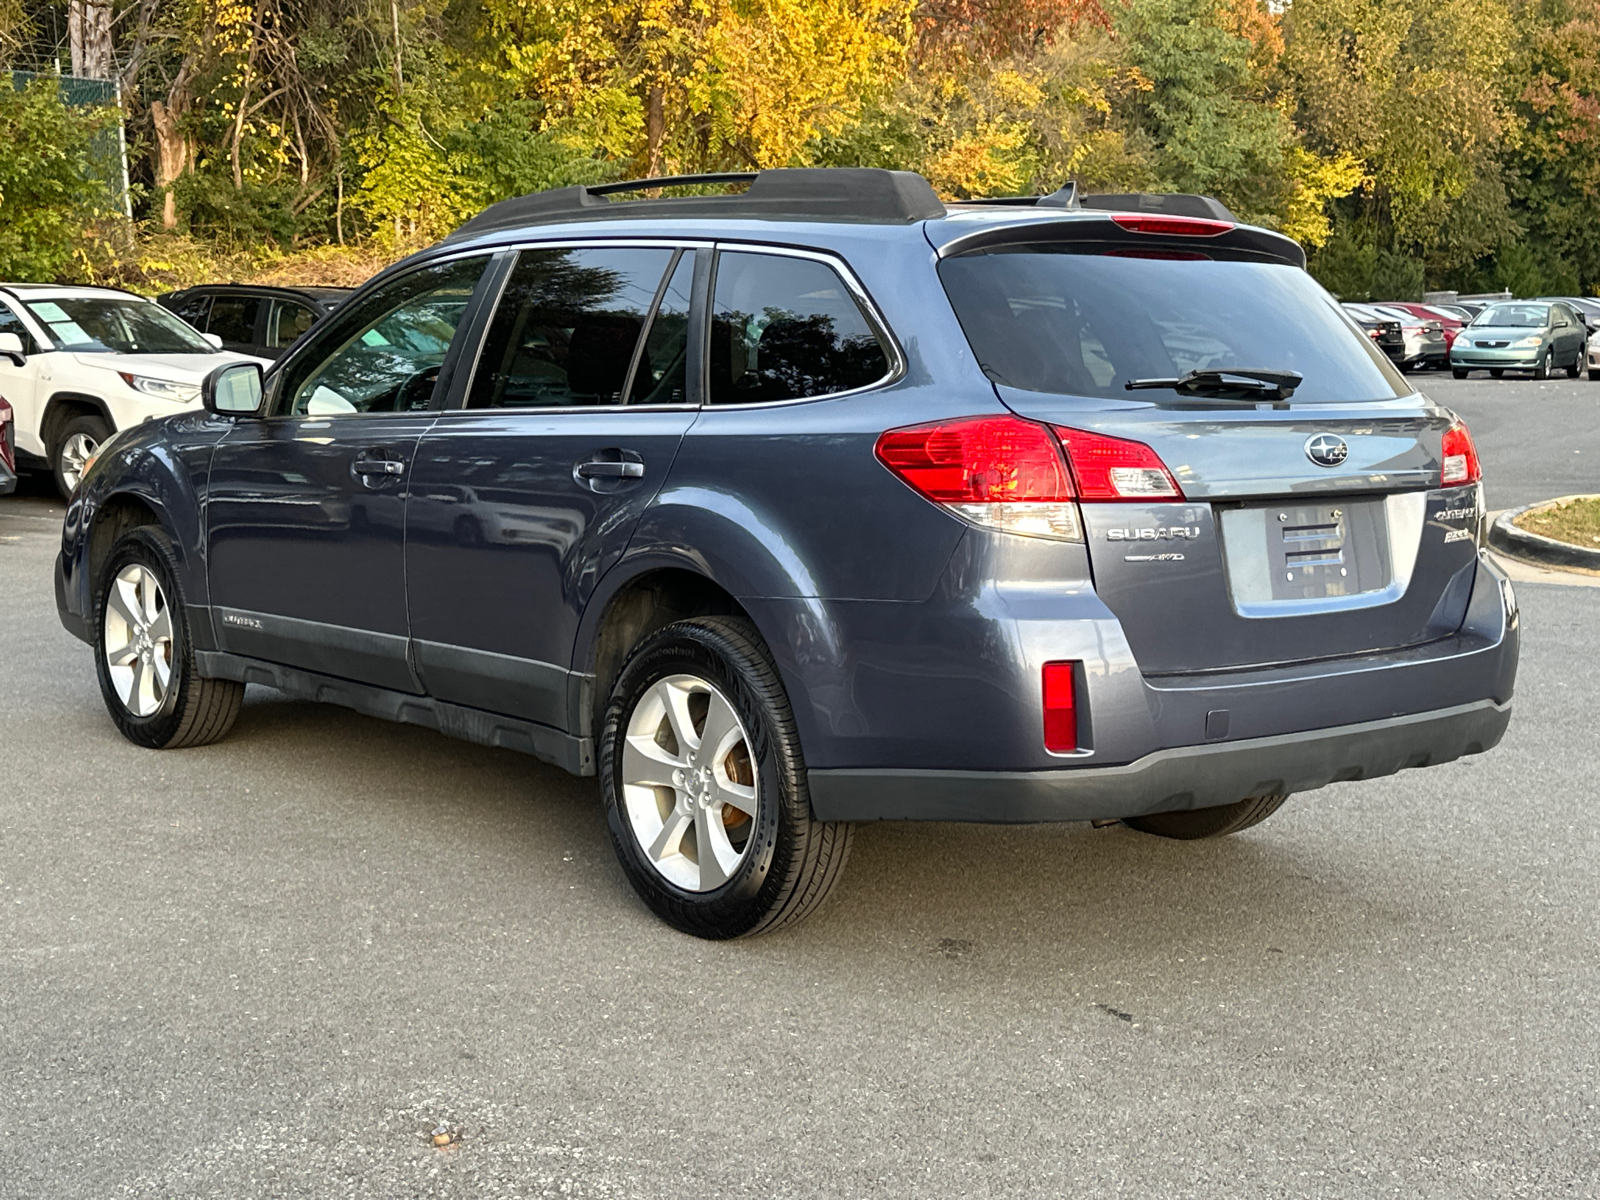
138 640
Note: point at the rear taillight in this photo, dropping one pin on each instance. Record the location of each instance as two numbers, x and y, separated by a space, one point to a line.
8 450
1172 226
1460 458
1060 708
1001 472
1022 477
1108 468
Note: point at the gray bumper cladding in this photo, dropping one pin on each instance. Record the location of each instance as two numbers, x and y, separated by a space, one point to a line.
1167 781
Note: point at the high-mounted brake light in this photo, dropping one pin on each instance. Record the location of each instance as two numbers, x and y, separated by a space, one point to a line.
1460 458
1172 226
1108 468
1060 708
1001 472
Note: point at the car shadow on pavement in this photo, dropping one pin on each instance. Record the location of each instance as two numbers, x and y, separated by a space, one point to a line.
934 897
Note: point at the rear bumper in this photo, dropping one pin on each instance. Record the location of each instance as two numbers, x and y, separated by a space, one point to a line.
1168 780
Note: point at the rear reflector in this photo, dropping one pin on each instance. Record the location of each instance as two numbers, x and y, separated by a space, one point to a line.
1060 708
1460 458
1000 472
1172 226
1108 468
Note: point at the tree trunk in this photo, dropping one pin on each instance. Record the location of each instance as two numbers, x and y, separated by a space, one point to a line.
399 79
172 149
89 35
655 128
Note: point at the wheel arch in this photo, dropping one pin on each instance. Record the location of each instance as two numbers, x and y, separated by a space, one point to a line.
62 407
634 600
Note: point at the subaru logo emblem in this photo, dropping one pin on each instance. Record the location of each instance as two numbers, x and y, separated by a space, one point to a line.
1326 450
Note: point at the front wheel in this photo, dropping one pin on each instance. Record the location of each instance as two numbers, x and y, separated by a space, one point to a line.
704 785
1575 368
1496 372
1542 370
143 653
76 444
1458 372
1594 376
1195 823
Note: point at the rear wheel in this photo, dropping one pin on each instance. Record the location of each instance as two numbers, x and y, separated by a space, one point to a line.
1575 368
143 653
1195 823
704 785
76 443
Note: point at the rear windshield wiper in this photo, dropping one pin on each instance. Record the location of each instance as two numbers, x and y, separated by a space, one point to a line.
1241 384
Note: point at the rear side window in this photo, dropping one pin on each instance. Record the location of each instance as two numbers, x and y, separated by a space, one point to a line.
1048 319
565 331
192 309
289 321
783 328
233 318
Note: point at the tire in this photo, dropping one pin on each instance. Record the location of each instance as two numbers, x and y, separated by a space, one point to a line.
1195 823
1576 368
1542 370
75 442
787 862
1594 376
1458 372
138 606
1496 372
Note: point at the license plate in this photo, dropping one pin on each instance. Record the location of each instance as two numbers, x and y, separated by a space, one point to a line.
1283 553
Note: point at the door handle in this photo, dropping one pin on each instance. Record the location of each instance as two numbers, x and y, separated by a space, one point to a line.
610 470
381 466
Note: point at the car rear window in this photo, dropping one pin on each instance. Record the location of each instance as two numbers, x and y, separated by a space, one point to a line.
1075 322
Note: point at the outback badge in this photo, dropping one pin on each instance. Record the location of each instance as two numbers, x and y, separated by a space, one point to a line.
1326 450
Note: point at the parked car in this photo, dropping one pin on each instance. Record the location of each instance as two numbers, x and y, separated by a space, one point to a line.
1425 342
8 451
80 363
1449 324
817 504
1383 329
1521 335
254 319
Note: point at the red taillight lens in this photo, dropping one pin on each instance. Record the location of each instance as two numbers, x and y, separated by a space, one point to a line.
1108 468
1172 226
1060 708
8 451
999 472
1460 458
977 460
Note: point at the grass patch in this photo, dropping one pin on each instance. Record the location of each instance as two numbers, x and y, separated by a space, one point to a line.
1576 522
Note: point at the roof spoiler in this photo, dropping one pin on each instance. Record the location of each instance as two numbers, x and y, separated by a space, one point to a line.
1166 204
862 194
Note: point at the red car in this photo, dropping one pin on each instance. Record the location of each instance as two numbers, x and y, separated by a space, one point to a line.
8 454
1451 325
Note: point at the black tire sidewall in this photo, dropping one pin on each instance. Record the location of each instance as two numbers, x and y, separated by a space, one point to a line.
85 423
738 906
150 548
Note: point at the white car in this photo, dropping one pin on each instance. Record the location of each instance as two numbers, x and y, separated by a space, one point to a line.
80 363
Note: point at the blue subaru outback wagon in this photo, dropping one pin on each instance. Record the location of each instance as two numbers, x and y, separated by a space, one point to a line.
818 503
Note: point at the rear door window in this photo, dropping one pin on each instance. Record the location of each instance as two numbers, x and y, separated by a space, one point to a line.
289 321
565 332
233 319
193 308
1048 319
785 328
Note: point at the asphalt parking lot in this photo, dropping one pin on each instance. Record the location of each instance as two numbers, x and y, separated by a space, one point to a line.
272 967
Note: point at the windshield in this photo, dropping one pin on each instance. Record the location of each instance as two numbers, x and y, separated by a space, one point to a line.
1048 319
97 324
1532 316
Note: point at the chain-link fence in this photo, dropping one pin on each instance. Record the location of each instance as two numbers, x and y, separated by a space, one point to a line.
110 148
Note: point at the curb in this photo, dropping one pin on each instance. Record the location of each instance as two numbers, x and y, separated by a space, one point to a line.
1535 547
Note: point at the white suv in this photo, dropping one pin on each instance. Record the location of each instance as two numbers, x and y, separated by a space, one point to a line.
80 363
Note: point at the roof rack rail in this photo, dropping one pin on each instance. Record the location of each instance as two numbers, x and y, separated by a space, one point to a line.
864 194
1167 204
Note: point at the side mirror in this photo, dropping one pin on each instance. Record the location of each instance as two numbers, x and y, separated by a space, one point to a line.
216 342
233 390
11 347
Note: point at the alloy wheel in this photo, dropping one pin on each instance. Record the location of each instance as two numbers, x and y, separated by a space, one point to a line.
689 783
138 641
76 452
